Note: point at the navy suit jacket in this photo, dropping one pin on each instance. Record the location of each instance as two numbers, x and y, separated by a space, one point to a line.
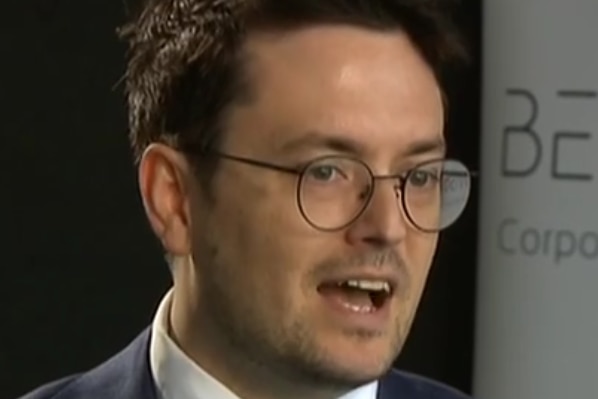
127 375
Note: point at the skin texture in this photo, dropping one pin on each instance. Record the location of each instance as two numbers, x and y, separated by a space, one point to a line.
246 305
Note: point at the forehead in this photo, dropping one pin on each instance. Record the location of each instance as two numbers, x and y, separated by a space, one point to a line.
371 87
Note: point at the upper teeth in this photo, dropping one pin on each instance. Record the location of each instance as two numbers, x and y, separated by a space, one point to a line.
369 285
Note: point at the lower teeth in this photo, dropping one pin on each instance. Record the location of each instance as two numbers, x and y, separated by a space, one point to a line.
356 299
360 309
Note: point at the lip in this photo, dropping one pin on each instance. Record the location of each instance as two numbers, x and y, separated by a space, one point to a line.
373 322
391 278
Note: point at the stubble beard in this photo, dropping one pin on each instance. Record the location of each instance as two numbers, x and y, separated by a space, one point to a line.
271 354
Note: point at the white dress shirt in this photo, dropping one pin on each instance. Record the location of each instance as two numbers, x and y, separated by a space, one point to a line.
177 377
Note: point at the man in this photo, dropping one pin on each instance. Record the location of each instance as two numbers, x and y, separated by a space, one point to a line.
292 164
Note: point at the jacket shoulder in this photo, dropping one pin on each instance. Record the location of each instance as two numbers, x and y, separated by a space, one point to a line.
401 384
125 375
51 389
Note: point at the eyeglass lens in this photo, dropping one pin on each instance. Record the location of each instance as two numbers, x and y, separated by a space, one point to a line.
334 191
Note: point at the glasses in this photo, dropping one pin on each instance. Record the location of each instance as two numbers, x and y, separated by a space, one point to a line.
334 191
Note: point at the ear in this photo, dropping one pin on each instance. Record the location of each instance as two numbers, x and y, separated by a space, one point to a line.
164 181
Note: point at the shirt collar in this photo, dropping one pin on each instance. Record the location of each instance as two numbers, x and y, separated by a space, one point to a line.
177 377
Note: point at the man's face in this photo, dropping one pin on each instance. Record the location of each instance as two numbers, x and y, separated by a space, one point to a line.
267 278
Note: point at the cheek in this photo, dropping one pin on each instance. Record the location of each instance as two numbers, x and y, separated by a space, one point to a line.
267 222
419 249
257 235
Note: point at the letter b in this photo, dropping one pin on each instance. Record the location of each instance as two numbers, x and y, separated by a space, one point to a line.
524 131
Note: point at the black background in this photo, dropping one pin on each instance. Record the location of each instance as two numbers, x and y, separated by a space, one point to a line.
81 273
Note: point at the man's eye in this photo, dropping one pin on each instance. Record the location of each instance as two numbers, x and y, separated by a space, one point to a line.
421 178
325 173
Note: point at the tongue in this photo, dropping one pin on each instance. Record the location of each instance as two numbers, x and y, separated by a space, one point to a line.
354 298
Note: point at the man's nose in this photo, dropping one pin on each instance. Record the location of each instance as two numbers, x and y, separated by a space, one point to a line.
383 222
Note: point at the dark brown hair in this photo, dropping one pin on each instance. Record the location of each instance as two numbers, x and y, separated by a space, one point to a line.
185 67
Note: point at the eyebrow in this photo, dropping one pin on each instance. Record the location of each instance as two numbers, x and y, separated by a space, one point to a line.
315 139
338 143
425 146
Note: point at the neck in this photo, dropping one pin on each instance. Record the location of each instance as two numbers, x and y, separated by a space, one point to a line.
208 347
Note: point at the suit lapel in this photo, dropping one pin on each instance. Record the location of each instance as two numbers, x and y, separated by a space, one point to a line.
395 385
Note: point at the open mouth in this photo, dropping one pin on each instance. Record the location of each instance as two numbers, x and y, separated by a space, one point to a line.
361 296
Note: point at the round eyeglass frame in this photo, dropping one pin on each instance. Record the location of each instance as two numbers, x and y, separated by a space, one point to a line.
399 187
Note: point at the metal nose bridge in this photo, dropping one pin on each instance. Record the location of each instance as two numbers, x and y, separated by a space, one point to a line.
399 183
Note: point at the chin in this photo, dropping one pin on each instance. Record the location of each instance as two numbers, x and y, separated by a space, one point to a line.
363 372
345 374
360 360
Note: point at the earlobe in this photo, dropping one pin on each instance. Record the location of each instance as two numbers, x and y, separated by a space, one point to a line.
165 194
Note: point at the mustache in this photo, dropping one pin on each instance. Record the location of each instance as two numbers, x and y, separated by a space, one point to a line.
387 260
378 259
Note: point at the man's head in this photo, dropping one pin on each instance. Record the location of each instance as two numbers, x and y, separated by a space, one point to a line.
259 126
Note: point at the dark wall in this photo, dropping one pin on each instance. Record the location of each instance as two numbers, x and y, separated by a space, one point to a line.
81 273
441 341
